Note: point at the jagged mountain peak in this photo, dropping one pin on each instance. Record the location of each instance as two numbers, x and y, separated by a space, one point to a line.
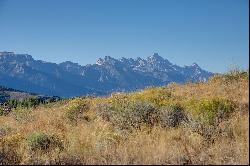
11 56
128 61
68 79
107 60
195 65
139 59
156 59
100 61
155 56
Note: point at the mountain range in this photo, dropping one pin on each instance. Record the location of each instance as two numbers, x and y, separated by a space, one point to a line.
107 75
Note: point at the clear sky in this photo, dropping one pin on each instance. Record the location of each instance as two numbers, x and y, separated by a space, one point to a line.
212 33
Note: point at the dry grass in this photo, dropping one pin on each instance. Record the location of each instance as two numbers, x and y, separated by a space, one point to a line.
93 140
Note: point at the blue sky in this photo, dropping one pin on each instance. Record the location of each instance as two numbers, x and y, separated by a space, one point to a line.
212 33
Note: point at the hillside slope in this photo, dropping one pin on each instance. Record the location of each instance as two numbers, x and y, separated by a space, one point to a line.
194 123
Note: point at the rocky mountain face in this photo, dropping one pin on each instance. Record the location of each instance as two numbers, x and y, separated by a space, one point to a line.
67 79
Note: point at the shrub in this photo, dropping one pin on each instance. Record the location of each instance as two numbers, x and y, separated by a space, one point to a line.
42 141
207 131
231 76
236 74
156 96
38 141
75 108
172 116
210 110
9 149
128 114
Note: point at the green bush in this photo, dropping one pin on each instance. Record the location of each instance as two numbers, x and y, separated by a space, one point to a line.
9 145
210 110
156 96
42 141
38 141
128 114
75 108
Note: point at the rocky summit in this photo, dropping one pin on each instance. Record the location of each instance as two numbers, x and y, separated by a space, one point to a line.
107 75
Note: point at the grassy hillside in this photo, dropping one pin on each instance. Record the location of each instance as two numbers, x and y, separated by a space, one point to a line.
195 123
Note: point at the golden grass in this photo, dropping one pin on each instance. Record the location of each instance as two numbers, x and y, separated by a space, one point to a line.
93 140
